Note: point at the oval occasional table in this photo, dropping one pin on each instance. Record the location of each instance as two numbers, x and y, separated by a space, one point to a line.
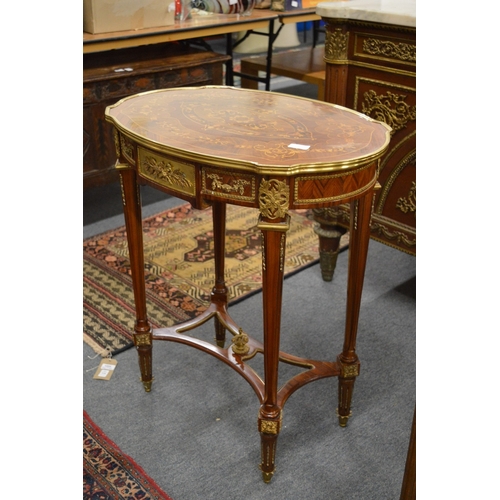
215 145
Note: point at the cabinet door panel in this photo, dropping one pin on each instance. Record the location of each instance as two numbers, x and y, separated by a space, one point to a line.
391 98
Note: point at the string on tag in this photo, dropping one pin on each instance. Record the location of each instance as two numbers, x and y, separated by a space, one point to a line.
106 353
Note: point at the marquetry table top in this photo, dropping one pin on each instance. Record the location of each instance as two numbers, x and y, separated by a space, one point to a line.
261 132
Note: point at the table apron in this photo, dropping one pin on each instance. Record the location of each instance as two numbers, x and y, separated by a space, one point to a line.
201 184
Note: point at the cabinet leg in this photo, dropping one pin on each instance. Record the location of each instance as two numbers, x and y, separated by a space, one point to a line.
133 222
329 234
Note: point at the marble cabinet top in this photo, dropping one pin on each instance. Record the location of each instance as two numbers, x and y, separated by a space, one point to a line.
400 12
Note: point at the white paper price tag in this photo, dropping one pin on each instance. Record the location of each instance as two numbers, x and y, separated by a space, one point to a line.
299 146
105 369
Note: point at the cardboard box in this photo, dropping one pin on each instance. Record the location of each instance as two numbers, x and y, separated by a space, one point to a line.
307 4
103 16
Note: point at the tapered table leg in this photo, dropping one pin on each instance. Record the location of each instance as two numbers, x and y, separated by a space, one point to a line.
273 263
219 291
143 340
358 249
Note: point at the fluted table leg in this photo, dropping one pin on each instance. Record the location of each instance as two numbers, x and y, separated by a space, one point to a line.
273 264
358 250
143 340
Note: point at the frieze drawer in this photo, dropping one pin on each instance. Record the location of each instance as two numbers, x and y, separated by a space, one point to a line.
178 177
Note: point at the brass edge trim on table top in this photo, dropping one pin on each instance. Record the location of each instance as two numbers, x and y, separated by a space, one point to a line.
242 165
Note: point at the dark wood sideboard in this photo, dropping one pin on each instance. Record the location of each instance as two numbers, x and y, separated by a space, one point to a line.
371 67
113 74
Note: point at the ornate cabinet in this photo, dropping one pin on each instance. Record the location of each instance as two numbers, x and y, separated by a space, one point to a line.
111 75
371 67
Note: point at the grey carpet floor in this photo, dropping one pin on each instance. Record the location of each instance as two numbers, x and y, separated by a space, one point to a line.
196 433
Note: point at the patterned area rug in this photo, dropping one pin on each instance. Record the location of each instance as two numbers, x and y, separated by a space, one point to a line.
109 474
178 247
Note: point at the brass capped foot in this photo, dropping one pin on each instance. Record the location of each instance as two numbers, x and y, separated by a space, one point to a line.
147 385
267 476
343 419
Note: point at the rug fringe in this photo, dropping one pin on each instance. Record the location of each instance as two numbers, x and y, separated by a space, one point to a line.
98 349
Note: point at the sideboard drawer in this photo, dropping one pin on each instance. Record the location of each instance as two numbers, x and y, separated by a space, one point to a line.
385 50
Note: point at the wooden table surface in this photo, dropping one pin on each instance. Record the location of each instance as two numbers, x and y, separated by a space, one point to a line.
199 26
